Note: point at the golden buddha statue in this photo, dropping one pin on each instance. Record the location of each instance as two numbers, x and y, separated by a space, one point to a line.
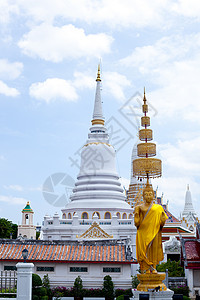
149 220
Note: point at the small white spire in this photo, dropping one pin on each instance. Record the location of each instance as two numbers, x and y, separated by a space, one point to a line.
188 208
98 117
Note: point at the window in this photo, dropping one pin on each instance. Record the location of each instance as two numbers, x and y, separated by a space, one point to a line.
84 215
69 216
64 216
111 270
10 268
118 215
45 269
96 212
130 216
107 215
78 269
124 216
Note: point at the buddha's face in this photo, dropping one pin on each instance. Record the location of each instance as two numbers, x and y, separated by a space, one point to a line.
148 196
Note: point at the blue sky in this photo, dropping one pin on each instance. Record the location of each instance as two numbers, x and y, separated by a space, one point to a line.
49 56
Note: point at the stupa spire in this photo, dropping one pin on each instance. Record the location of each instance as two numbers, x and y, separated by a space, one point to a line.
98 117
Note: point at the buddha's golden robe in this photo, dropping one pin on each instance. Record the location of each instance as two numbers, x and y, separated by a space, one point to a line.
149 239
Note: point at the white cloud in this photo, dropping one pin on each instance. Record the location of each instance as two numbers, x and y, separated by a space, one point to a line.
10 70
54 44
56 88
188 8
172 66
115 83
82 80
111 13
15 187
8 91
7 9
53 89
12 200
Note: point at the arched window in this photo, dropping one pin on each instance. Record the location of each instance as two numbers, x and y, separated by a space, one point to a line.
96 212
84 215
74 213
118 215
107 215
69 215
130 216
124 216
64 216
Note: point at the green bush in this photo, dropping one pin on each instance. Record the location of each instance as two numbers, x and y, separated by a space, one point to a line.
108 288
78 287
36 280
44 298
186 298
181 289
121 292
35 297
135 281
121 297
41 291
174 268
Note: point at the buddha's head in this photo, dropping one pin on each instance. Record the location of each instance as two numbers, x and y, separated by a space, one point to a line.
148 193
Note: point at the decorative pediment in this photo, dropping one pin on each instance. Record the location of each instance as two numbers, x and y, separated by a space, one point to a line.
95 232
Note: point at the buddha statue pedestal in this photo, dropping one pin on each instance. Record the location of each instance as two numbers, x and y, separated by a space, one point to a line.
151 281
151 284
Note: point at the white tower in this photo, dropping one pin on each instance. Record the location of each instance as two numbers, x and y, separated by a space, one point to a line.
27 230
189 215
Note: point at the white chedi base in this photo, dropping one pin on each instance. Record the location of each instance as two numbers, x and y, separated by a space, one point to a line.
163 295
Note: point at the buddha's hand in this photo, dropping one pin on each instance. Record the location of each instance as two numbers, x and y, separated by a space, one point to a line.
162 219
137 216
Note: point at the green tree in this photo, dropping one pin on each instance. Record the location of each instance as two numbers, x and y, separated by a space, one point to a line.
7 228
108 288
174 268
78 288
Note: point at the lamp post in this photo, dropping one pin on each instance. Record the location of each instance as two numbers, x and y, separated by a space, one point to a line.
25 254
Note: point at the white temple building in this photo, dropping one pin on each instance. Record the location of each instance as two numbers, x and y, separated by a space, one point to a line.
189 215
27 230
98 207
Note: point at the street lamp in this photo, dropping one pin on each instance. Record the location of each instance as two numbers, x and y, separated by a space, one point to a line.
25 254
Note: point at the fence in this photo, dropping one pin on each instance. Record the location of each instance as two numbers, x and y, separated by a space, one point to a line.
8 282
176 281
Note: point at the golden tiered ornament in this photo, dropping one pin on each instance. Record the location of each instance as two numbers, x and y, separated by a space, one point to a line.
146 166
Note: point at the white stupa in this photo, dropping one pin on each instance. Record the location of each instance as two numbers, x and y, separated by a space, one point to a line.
189 217
97 209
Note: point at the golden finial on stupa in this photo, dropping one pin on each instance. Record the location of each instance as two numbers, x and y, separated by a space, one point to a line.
98 74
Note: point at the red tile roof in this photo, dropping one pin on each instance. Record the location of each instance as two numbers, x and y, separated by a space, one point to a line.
192 250
64 252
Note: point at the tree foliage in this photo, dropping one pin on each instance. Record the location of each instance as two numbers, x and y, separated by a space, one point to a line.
78 287
7 228
174 268
108 287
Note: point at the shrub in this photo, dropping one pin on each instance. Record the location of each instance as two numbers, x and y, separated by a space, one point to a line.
35 297
93 293
78 287
181 289
36 280
135 281
108 288
120 292
121 297
174 268
186 298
